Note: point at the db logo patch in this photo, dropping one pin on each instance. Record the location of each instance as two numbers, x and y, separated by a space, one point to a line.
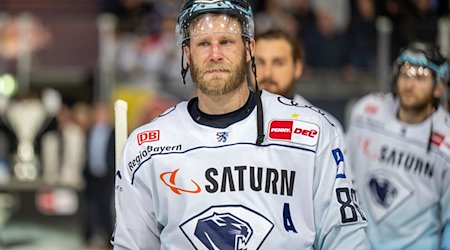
148 136
295 131
231 227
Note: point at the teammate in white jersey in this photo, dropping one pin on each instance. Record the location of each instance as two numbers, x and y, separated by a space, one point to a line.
280 60
399 147
233 169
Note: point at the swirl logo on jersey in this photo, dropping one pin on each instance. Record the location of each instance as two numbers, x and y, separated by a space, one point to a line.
295 131
230 227
169 179
387 192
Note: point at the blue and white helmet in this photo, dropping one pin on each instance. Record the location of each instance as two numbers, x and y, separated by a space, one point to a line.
426 55
191 9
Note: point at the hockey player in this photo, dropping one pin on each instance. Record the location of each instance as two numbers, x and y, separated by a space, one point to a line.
231 168
399 145
280 60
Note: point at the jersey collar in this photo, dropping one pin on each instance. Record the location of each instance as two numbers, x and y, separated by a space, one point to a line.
224 120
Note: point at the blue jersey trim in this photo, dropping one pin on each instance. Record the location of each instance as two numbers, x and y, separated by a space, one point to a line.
341 176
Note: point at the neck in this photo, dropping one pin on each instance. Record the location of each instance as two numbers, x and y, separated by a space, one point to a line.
223 104
415 116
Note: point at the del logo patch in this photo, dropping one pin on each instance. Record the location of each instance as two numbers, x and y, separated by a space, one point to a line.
295 131
148 136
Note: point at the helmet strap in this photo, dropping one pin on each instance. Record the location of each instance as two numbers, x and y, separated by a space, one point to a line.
259 109
184 69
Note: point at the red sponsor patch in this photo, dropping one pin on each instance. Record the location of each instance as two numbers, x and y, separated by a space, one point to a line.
148 136
280 130
371 109
295 131
306 132
437 138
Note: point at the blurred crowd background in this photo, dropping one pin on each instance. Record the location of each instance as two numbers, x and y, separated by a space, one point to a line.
69 60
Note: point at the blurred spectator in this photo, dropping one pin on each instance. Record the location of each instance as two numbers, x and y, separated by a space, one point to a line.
394 10
327 45
443 39
134 16
420 22
306 19
73 150
273 16
170 66
337 11
362 35
81 113
63 152
99 174
10 35
326 42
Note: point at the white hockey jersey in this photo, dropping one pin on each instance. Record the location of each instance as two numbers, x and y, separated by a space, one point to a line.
184 185
302 101
402 172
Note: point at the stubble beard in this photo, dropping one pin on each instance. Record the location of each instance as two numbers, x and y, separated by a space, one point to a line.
418 105
216 86
274 87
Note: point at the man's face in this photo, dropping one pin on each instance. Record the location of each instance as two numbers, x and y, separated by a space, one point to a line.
217 56
415 87
276 69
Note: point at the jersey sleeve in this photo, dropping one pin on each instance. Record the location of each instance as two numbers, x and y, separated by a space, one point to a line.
340 223
445 213
136 225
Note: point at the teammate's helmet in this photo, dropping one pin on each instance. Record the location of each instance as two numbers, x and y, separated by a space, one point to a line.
425 55
191 9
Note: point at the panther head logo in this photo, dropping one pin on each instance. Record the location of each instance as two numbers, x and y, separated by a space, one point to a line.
383 191
223 231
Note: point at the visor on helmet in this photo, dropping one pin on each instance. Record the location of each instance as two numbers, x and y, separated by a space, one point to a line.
420 59
214 24
192 9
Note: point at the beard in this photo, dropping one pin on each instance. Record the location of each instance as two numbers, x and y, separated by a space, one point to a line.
274 87
229 79
416 104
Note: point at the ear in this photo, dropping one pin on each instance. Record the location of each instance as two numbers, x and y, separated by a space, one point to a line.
439 90
250 49
186 51
298 69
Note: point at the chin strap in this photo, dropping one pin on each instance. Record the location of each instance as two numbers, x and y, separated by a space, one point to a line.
259 109
184 69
